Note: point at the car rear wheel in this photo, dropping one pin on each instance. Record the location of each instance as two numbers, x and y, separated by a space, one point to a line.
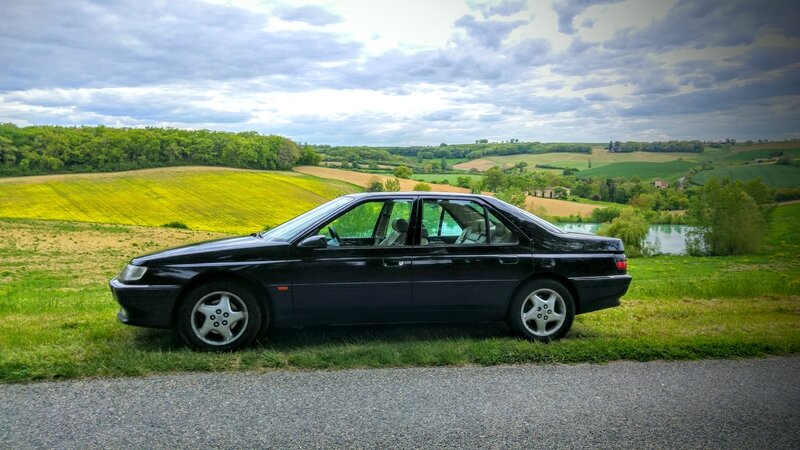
543 311
219 316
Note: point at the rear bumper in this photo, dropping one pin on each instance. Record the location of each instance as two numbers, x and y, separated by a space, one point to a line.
144 305
596 293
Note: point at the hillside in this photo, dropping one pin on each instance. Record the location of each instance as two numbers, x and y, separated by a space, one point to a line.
772 175
212 199
552 207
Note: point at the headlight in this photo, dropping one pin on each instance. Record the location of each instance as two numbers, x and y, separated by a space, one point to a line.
132 273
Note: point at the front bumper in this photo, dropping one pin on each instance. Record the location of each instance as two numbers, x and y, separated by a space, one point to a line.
596 293
145 305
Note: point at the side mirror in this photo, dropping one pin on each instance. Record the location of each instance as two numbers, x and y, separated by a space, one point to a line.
318 241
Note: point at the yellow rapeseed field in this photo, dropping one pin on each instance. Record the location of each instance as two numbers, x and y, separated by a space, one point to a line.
212 199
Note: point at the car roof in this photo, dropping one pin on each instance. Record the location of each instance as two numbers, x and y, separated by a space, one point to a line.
455 195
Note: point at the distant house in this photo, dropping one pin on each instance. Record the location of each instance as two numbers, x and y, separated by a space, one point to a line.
550 192
660 184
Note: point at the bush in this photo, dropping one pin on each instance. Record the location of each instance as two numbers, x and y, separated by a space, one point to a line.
391 185
513 196
602 215
179 225
402 172
632 229
375 185
728 220
422 187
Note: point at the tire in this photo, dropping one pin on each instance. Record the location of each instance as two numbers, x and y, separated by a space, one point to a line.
219 316
542 310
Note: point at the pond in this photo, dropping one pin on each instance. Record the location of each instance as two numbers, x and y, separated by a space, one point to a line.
671 239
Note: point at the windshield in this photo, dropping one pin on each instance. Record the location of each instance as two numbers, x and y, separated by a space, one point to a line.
288 230
537 220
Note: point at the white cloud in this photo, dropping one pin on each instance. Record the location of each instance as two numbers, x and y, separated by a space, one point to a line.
414 72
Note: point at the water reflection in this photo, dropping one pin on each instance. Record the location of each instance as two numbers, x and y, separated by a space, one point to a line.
671 239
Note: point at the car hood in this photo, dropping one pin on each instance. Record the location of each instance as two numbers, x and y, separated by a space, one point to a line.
242 248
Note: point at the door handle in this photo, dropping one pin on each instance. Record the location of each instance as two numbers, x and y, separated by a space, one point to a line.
393 263
509 260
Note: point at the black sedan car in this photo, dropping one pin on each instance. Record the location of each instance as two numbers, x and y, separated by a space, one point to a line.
378 258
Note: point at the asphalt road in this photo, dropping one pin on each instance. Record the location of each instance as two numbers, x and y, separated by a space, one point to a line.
710 404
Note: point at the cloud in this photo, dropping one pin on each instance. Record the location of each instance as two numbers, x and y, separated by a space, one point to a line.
310 14
721 23
489 33
568 9
130 43
504 8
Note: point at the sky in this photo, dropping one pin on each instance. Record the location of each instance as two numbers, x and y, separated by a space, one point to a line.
411 72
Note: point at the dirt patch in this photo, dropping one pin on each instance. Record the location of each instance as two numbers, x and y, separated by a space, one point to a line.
479 164
90 252
363 179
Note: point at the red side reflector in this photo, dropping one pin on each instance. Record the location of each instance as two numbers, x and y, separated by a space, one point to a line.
286 288
622 265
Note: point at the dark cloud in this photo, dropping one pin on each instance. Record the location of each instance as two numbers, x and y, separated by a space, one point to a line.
598 97
130 43
568 9
759 92
310 14
489 33
713 23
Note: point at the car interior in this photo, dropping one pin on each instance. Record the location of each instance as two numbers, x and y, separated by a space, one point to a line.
385 223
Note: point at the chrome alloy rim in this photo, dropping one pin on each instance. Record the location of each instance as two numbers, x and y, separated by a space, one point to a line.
543 312
219 318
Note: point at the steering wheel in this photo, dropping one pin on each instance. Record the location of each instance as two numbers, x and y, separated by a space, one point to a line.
334 235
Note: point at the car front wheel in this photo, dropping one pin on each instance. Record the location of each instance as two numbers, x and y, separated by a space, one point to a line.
219 316
542 311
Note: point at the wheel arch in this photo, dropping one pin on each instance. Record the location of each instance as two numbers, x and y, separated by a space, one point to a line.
546 276
263 299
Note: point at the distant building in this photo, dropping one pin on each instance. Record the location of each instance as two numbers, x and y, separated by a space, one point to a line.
660 184
549 192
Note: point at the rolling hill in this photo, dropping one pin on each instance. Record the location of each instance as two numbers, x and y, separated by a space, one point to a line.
204 198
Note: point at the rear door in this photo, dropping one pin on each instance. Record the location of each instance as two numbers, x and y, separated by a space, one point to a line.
468 259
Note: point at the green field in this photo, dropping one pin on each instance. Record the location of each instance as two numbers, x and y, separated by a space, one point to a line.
599 157
57 318
772 175
215 199
749 155
669 171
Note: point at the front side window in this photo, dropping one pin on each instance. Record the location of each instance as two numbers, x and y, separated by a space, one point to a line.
373 223
462 222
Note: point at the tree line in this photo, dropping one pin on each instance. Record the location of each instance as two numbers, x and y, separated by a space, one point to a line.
366 154
658 147
51 149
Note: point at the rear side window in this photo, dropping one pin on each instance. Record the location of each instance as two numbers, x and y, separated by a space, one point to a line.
461 222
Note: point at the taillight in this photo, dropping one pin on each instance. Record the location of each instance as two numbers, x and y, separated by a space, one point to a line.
621 261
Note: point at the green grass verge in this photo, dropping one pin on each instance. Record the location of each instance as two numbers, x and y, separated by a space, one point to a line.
57 317
771 174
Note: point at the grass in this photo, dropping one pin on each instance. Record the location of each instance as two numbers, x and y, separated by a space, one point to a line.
211 199
57 316
670 171
772 175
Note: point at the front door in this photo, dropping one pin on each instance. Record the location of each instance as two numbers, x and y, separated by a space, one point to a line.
364 274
